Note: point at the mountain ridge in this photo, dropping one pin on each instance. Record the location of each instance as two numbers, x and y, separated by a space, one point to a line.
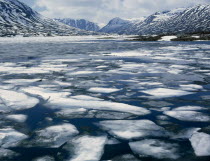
79 23
176 21
16 18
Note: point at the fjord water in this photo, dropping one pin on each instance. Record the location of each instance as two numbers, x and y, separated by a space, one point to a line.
88 98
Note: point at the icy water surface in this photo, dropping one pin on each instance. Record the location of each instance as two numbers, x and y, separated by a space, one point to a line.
83 98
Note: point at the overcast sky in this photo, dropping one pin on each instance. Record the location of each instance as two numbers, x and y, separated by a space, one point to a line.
101 11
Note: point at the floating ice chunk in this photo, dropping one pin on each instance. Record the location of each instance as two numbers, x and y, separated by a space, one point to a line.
71 112
6 154
151 83
57 135
186 133
101 67
103 90
112 141
130 129
201 144
96 105
83 97
191 87
87 148
18 118
3 107
112 115
10 137
155 148
6 86
45 158
188 116
17 101
59 100
21 81
131 53
189 108
83 72
45 93
126 157
165 93
63 83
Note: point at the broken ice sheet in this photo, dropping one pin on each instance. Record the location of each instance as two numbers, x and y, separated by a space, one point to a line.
6 154
191 87
155 148
17 101
126 157
55 136
10 137
165 93
21 81
103 90
189 108
188 116
86 148
60 100
18 118
45 158
186 133
201 144
131 129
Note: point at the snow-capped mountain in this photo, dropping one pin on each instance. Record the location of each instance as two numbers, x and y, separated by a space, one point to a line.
16 18
182 20
114 25
80 23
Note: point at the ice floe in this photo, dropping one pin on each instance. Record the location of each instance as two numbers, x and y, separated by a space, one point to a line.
10 137
18 118
189 108
201 143
58 100
21 81
188 116
84 97
155 148
45 158
55 136
191 87
87 148
186 133
126 157
131 129
44 93
6 154
166 93
17 101
103 90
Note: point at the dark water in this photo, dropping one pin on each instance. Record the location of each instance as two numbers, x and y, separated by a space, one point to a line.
157 76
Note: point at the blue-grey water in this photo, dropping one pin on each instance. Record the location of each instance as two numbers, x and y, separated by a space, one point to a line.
84 98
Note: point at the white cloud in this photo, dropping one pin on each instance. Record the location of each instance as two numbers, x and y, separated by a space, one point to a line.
102 11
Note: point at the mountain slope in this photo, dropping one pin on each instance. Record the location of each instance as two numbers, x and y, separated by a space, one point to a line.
182 20
114 25
16 18
81 24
